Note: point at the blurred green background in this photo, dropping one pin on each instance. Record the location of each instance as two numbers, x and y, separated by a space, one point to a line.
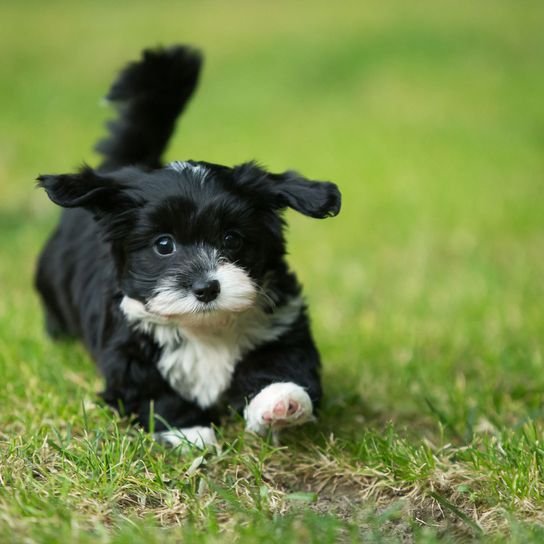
429 116
426 292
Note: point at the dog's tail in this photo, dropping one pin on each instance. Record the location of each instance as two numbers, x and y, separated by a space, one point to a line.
149 95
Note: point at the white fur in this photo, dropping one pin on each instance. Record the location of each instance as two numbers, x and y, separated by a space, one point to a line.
181 166
237 294
199 357
237 289
196 436
268 398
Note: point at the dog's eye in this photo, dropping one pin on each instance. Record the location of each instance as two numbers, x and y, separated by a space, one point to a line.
164 245
232 240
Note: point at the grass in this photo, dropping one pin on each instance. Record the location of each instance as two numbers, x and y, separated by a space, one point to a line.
426 292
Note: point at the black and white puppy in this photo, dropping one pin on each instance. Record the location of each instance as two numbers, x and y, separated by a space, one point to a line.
175 277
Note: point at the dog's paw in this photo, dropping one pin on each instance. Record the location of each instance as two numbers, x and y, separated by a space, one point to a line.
277 406
201 437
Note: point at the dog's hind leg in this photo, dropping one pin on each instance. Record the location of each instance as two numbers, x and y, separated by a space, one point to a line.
55 321
149 95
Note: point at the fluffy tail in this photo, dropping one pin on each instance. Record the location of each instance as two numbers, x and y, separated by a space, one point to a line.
149 96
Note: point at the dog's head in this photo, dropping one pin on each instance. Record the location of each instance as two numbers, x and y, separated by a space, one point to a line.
193 240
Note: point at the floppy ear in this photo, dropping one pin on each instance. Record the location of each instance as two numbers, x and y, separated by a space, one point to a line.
317 199
87 189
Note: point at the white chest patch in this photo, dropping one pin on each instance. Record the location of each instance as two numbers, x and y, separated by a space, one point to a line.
201 366
198 362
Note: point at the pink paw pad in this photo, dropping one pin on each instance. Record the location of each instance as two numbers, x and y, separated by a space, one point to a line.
282 409
277 406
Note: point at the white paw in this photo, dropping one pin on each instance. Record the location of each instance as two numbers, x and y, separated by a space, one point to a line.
277 406
201 437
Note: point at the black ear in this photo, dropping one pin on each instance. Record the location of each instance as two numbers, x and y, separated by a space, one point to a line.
87 189
317 199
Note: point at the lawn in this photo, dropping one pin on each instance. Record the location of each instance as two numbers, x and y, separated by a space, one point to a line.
426 293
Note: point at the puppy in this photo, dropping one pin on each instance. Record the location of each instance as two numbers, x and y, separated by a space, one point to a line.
174 277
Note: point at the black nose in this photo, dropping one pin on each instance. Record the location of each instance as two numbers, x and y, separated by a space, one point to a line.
206 290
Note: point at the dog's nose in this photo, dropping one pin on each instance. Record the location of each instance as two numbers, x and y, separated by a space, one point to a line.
206 290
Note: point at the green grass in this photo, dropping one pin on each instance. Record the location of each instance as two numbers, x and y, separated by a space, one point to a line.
426 292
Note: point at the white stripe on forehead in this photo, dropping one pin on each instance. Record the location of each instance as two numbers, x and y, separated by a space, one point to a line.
199 171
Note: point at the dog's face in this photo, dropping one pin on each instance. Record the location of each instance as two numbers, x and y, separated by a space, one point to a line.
193 241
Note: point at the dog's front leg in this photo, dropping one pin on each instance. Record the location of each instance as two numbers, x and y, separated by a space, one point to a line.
136 387
177 422
275 388
277 406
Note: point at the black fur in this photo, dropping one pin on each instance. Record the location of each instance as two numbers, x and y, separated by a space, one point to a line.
103 249
149 94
